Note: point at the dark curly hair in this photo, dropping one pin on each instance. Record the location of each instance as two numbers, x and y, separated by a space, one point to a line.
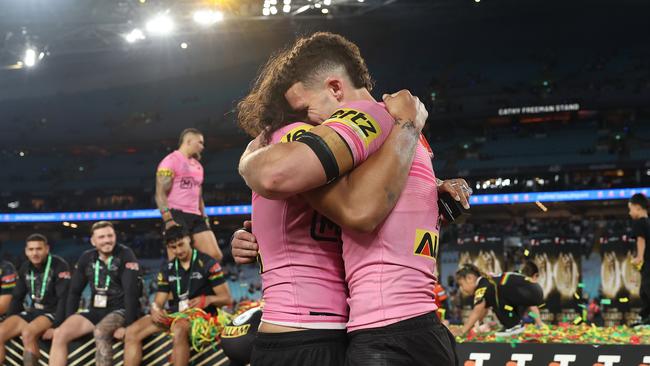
265 109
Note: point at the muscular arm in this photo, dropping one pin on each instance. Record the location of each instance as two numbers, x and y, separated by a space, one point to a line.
160 299
202 203
363 198
221 296
163 186
478 313
279 171
129 281
640 247
5 301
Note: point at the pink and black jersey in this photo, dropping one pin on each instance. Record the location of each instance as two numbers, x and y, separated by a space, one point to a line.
300 259
390 272
187 173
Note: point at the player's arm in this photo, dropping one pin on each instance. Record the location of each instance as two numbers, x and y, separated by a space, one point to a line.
478 313
363 198
17 295
640 249
7 285
219 286
164 182
278 171
221 296
62 287
537 317
129 281
77 284
157 312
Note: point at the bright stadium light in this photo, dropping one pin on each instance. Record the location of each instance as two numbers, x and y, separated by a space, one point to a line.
207 17
303 9
325 11
286 8
161 24
286 2
134 36
327 2
30 57
274 10
266 12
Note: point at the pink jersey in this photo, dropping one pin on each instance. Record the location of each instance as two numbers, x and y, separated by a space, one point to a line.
185 194
300 259
390 272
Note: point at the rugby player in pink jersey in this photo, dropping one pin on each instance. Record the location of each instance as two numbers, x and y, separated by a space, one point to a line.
179 193
389 270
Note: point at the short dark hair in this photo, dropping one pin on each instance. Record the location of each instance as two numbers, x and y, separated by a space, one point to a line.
529 269
174 234
468 269
37 237
188 131
640 199
100 225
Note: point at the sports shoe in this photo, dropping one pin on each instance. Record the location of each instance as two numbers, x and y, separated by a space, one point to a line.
517 329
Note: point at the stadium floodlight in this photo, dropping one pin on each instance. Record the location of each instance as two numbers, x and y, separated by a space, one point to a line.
286 2
327 2
325 11
184 45
286 8
134 36
207 17
266 12
274 10
303 9
30 57
161 24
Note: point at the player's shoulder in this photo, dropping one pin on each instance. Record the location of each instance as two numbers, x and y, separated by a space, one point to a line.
360 109
6 266
87 255
59 261
290 132
24 267
204 260
122 251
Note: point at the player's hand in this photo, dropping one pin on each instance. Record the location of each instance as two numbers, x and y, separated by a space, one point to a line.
199 302
48 335
456 331
119 333
158 315
171 223
459 190
244 245
405 107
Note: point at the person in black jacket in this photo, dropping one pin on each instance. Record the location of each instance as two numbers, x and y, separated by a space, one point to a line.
638 210
8 278
44 279
112 271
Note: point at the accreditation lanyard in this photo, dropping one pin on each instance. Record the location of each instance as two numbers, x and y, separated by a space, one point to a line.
107 283
178 277
45 277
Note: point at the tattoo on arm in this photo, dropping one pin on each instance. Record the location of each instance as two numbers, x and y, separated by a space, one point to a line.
163 186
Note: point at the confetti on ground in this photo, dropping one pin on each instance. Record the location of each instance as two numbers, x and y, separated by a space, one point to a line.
568 333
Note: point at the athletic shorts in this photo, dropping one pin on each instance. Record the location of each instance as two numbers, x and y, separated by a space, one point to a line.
419 341
96 315
194 224
312 347
30 315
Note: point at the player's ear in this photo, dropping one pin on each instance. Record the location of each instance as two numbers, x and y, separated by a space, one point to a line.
334 86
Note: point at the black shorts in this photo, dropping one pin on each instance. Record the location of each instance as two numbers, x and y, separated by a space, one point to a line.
31 314
313 347
96 315
194 224
418 341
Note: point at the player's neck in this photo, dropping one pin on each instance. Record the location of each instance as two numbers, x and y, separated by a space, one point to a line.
184 151
359 94
104 257
186 263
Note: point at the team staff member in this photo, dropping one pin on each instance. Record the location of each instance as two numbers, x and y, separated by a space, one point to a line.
44 279
179 192
638 210
8 277
509 294
112 271
195 280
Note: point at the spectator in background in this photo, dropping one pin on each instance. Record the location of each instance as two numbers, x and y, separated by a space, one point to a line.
638 211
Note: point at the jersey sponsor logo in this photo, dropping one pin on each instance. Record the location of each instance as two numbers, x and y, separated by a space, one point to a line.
426 243
134 266
188 183
64 275
235 332
164 172
364 125
323 229
9 278
295 133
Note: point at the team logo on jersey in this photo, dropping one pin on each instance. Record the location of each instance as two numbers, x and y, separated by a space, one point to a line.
364 125
215 268
479 294
426 243
64 275
323 229
132 266
295 133
187 182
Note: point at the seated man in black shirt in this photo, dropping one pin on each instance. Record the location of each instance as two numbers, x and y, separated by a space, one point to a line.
194 280
44 279
509 295
112 271
638 206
